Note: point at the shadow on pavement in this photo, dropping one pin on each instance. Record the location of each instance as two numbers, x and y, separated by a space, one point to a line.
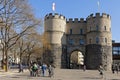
92 78
114 79
15 77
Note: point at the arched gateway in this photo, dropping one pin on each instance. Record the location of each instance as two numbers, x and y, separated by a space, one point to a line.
90 38
76 60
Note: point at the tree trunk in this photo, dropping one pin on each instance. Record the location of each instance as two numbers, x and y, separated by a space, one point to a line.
28 60
20 57
6 60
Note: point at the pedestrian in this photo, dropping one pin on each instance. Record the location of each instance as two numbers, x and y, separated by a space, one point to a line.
39 70
30 69
101 70
113 69
44 69
84 68
50 71
116 68
20 67
35 69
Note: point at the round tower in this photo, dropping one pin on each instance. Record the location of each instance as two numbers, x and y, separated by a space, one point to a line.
99 41
54 26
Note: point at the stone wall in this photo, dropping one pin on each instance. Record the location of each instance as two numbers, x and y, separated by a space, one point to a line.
57 31
96 55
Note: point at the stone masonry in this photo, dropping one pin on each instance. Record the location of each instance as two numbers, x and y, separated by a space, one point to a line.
91 36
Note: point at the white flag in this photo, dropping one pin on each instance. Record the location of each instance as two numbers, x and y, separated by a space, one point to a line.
98 3
53 6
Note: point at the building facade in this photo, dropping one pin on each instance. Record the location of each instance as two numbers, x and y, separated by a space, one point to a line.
116 53
91 36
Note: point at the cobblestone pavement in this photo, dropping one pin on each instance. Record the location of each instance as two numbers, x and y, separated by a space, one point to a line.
60 74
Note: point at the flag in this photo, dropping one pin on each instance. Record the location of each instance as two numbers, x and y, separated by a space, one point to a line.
53 6
98 3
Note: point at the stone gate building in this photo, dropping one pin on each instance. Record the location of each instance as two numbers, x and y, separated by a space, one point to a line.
91 36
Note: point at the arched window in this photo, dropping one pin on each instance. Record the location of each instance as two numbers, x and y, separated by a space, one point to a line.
105 28
70 31
81 42
81 31
90 28
71 41
97 40
97 28
90 41
105 40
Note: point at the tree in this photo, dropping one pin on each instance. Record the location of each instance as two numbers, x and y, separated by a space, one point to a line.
33 45
16 19
28 45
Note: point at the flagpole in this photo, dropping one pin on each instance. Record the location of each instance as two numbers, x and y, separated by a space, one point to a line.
98 3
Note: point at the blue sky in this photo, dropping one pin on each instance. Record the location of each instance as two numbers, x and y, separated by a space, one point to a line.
81 9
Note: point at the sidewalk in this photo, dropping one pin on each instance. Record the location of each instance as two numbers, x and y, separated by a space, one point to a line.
10 72
60 74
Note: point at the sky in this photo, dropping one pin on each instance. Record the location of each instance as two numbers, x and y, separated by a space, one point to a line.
81 9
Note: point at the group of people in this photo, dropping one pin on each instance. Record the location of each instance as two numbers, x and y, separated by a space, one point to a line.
41 70
115 68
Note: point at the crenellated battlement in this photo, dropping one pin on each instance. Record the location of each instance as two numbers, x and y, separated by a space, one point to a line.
54 16
98 15
92 34
76 20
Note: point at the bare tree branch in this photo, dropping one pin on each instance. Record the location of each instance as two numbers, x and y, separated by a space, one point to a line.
16 19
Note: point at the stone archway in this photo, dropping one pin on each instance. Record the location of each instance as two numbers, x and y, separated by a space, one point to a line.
76 59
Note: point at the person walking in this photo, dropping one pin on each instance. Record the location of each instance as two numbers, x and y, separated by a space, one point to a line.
101 70
50 71
84 68
35 69
116 68
44 67
20 67
113 69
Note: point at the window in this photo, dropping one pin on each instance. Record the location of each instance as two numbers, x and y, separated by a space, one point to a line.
105 28
97 40
119 48
90 28
81 31
71 42
105 40
81 42
70 31
116 50
90 40
97 28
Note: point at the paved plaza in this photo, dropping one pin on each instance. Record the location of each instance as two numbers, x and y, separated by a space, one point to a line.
60 74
